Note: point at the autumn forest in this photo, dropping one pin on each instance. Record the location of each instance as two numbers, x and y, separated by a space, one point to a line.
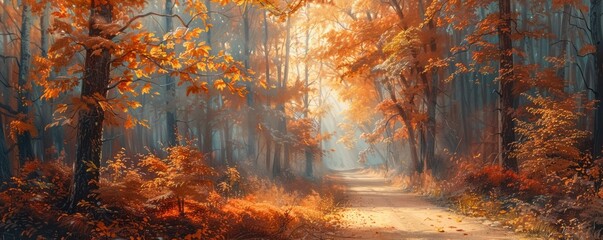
301 119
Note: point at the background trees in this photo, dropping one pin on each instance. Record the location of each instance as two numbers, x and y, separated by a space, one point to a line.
412 85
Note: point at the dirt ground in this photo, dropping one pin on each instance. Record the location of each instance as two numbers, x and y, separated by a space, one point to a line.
377 210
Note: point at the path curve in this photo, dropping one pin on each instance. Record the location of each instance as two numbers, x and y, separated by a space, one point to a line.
377 210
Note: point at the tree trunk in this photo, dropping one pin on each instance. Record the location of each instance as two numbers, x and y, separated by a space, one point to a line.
308 150
46 107
4 160
506 79
597 36
268 151
412 138
170 88
464 102
268 104
209 113
251 116
276 163
283 122
229 158
24 139
90 123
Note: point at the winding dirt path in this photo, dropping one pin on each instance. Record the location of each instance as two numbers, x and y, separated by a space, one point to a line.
377 210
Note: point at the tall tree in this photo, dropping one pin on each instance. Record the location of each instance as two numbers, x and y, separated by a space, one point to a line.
90 123
251 116
24 136
597 39
45 113
309 154
268 82
170 85
5 165
506 78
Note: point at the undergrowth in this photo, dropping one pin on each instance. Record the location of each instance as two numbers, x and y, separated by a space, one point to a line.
176 197
552 207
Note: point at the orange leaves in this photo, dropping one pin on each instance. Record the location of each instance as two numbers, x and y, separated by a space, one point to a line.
20 127
130 122
587 49
146 89
196 89
219 84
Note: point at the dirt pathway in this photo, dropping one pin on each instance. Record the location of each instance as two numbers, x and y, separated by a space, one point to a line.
379 211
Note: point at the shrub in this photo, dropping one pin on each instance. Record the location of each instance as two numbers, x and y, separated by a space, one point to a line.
495 179
171 197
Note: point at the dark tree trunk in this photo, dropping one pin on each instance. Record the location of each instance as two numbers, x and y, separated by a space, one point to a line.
308 150
268 151
4 160
207 128
506 78
209 113
282 123
24 140
46 107
597 37
90 122
228 143
276 164
412 136
251 116
268 104
170 88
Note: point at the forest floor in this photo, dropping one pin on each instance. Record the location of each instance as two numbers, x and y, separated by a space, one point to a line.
377 210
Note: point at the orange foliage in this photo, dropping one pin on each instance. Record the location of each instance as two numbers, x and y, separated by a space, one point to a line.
135 203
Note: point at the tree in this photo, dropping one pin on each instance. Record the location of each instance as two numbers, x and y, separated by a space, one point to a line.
507 91
597 40
170 121
114 43
24 134
5 165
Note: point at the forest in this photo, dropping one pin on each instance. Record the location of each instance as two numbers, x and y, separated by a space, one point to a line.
301 119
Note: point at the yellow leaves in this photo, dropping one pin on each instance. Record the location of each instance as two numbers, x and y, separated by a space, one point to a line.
20 127
263 84
139 73
134 104
202 49
220 84
146 89
170 45
125 86
175 63
228 59
179 33
61 108
130 122
137 26
188 46
156 51
193 34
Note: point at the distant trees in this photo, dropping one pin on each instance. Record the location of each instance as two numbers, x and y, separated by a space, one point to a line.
468 99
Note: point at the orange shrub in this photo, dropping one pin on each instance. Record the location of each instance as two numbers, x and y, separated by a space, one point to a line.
495 179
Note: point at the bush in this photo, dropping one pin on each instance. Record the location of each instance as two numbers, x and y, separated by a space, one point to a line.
178 196
495 179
